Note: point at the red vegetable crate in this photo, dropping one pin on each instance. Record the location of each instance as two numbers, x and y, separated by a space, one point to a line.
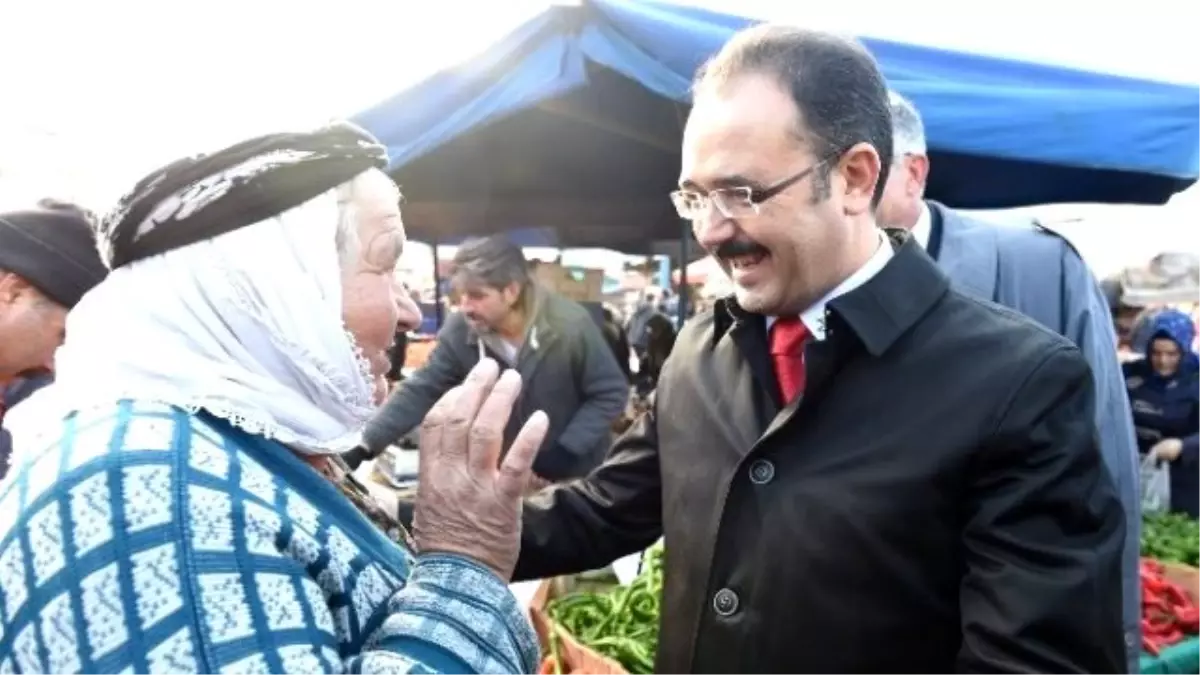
1169 604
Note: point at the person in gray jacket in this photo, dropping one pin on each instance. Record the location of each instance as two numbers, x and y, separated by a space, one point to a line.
567 370
1037 272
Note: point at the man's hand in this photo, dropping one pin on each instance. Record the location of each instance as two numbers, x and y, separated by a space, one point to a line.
354 457
465 504
1168 449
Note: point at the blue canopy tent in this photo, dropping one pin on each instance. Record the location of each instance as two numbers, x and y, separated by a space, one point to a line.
573 122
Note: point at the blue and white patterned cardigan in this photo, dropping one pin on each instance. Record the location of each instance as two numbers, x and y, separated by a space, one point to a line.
145 539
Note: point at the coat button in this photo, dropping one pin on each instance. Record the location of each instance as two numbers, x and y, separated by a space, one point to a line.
725 602
761 472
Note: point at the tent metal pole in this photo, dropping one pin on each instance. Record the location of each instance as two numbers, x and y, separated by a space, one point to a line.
437 285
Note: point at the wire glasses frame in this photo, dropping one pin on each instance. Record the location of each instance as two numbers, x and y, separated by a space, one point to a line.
736 202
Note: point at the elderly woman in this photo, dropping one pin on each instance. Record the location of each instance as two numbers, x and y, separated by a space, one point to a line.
178 505
1164 392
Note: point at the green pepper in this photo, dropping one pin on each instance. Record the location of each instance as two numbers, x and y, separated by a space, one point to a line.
554 650
620 623
1171 537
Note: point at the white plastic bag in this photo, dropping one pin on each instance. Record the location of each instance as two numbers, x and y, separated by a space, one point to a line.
1156 484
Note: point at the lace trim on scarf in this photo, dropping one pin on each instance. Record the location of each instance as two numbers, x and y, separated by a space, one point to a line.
256 422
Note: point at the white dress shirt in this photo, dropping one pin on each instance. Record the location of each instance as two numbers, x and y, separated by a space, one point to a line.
814 316
923 230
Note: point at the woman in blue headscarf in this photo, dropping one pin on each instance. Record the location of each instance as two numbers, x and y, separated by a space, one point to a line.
1164 391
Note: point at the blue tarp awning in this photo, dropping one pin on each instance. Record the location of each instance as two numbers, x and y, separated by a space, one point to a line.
573 121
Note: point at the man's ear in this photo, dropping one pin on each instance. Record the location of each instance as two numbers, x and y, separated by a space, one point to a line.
12 286
512 293
860 170
918 174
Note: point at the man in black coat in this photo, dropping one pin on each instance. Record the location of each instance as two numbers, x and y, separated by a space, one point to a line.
855 467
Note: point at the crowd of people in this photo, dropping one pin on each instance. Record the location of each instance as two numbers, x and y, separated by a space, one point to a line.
904 443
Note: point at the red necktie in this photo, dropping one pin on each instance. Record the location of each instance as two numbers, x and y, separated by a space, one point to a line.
787 353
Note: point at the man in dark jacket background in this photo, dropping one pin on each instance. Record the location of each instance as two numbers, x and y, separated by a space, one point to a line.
648 306
567 369
48 261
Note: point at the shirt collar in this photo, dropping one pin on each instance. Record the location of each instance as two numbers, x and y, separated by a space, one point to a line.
923 230
877 313
814 317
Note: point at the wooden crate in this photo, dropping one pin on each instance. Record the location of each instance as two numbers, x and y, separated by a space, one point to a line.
1186 576
575 657
575 283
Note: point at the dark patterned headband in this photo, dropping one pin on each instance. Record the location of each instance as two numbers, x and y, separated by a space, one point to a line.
201 197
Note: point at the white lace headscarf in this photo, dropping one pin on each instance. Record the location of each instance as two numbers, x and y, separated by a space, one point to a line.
247 326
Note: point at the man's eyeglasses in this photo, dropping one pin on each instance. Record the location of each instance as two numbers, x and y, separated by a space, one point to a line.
735 202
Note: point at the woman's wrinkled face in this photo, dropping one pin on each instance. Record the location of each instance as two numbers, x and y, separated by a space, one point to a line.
1165 356
372 307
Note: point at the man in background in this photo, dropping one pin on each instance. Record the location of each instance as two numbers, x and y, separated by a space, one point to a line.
1038 273
651 335
647 307
566 367
48 261
617 339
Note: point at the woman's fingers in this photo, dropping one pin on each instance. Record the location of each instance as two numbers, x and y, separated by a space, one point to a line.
487 433
467 425
431 441
460 416
518 463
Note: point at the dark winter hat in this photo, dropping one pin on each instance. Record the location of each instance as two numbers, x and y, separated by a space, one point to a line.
198 198
54 249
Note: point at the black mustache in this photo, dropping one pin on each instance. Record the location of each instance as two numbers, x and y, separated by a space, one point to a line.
739 247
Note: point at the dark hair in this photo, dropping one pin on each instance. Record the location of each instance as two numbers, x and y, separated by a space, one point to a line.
840 95
494 261
53 204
